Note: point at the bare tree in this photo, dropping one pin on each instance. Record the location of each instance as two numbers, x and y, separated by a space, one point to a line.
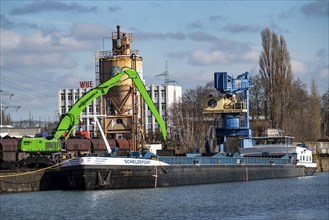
187 119
257 98
303 113
276 77
325 114
296 110
314 113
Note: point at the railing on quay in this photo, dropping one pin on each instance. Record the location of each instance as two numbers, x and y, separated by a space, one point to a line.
225 160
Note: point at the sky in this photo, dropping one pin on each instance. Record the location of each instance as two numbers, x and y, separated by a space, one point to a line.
48 45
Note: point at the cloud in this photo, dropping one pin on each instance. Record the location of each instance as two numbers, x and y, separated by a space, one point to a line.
178 55
214 18
299 68
250 56
92 32
202 36
221 51
322 53
8 24
5 23
140 35
44 6
287 14
324 73
238 28
50 47
47 48
33 60
194 36
316 69
201 57
51 60
215 57
241 28
52 41
9 40
214 42
114 8
276 28
316 8
194 25
231 46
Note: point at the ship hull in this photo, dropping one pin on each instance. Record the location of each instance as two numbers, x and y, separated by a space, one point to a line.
86 177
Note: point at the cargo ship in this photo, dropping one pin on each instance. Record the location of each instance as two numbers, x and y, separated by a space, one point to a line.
150 170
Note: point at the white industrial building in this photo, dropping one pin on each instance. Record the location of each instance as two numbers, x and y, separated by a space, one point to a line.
163 97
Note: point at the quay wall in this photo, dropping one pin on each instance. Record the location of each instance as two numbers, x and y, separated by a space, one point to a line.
29 181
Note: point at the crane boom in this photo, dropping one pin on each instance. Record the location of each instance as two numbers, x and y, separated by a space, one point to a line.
72 117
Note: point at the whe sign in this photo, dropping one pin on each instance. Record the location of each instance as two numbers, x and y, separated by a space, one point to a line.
86 84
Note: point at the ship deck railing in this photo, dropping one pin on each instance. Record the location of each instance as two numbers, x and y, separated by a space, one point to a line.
224 160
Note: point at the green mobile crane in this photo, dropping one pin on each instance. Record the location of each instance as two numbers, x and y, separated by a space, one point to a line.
48 150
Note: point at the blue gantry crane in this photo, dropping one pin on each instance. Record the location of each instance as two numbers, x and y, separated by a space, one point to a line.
233 108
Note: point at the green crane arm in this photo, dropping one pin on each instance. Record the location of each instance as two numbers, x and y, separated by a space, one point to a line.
141 88
72 118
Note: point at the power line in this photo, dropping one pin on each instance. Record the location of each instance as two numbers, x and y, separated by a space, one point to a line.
19 84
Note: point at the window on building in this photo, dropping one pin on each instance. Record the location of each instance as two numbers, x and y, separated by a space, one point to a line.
91 109
98 109
156 94
163 94
69 97
63 97
163 106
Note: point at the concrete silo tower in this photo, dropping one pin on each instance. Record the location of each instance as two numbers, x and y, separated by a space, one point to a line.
122 104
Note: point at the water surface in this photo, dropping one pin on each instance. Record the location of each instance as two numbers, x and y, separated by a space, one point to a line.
288 198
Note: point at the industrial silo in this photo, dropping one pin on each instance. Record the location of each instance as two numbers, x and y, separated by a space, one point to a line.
117 105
